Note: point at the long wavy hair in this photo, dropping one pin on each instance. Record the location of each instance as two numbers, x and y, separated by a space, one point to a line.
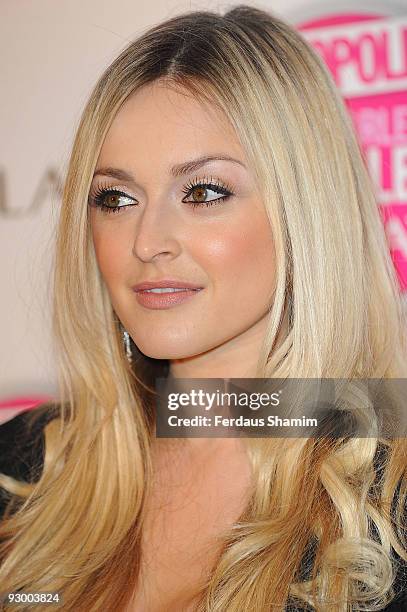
77 529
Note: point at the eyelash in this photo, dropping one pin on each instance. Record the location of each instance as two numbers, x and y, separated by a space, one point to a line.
96 197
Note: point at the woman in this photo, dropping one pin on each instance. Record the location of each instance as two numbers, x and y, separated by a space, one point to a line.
214 154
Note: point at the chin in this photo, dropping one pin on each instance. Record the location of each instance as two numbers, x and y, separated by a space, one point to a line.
163 350
170 349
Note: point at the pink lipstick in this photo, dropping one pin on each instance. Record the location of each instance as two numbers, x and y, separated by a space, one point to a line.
158 295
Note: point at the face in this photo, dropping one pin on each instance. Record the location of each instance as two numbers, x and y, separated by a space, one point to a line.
204 225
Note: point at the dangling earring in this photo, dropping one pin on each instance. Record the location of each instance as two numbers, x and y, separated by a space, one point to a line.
126 344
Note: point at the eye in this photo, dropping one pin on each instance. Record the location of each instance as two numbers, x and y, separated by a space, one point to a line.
200 189
108 200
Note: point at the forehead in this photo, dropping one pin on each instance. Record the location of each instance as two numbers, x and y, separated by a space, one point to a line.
159 121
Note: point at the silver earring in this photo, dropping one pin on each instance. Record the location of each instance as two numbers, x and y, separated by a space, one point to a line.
127 347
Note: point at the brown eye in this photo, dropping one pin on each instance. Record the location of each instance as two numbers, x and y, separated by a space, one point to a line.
112 200
108 200
199 193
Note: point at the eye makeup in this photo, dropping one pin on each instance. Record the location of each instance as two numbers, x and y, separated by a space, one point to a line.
107 197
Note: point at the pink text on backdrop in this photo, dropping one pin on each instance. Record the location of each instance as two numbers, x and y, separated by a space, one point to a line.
367 57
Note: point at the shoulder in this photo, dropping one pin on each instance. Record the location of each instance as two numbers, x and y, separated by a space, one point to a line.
22 445
22 434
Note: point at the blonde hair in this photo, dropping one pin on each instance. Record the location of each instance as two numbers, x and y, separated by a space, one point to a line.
78 529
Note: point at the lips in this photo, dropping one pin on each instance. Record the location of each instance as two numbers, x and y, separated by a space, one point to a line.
170 283
165 299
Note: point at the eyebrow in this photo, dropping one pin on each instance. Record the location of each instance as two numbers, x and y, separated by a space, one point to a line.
176 170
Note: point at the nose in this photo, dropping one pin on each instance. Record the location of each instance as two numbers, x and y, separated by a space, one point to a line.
156 233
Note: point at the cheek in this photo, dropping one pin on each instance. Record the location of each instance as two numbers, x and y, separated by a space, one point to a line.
111 252
241 261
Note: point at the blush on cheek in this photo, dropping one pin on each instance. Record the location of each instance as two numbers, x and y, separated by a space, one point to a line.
110 255
241 246
248 258
230 245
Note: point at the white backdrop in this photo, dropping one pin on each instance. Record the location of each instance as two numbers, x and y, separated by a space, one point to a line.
52 53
